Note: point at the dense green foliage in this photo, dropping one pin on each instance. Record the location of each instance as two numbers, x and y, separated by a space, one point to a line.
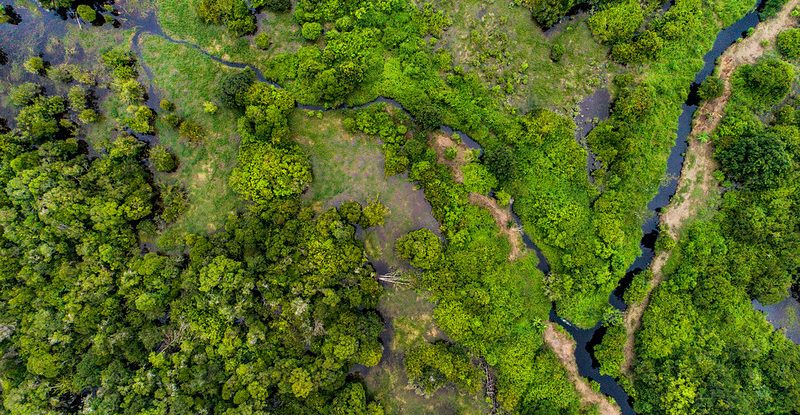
789 43
268 314
702 345
234 14
431 366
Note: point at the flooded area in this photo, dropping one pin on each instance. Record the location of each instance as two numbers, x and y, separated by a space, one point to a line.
593 109
784 315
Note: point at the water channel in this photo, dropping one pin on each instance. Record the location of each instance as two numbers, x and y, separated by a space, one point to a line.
596 108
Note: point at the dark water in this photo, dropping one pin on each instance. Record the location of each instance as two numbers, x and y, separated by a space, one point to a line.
593 109
784 315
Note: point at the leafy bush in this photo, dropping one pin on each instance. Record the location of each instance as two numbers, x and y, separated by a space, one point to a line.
166 105
77 97
768 81
311 31
233 88
88 116
140 119
34 65
210 107
618 22
264 172
24 94
191 131
421 248
789 43
431 366
163 160
262 41
277 6
87 13
712 87
556 52
758 161
374 214
234 14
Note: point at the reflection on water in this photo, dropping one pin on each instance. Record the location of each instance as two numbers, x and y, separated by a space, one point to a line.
784 315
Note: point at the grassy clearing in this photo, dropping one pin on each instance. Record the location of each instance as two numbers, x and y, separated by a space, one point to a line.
179 20
186 77
502 44
411 315
350 167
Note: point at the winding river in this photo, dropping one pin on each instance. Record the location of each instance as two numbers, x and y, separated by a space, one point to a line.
586 338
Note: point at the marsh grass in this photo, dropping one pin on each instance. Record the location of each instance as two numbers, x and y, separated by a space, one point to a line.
411 316
179 19
350 167
186 77
483 30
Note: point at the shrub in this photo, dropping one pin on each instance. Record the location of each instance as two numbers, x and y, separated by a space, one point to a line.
60 73
130 90
88 116
172 120
430 366
556 52
311 31
34 65
87 13
210 107
374 214
759 162
768 81
789 43
24 94
264 172
174 202
277 6
140 118
478 179
617 23
711 88
77 98
191 131
421 248
166 105
350 211
163 160
262 41
233 88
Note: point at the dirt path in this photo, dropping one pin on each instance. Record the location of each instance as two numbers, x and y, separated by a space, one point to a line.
502 217
697 184
564 347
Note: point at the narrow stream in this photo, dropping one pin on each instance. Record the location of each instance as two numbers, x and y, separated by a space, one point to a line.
585 338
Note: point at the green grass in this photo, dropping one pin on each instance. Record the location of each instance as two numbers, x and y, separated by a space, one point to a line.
481 29
412 322
179 19
186 77
350 167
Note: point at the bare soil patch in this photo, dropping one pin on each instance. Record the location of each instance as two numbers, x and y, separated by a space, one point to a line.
440 143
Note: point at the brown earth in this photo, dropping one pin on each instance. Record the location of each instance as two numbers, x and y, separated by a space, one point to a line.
564 348
440 143
697 184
